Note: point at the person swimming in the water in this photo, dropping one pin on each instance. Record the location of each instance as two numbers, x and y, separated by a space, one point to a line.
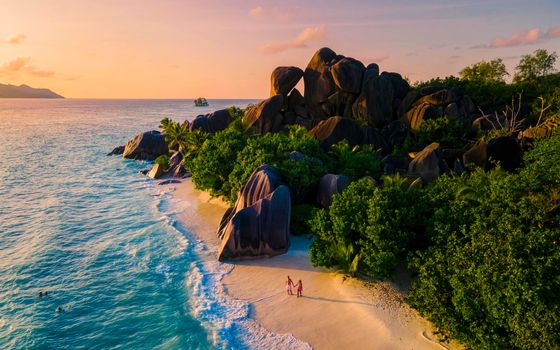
59 309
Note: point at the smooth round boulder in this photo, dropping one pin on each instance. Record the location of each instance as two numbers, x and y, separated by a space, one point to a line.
212 122
284 79
146 146
336 129
347 74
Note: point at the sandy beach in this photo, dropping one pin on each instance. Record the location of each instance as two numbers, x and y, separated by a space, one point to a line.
335 312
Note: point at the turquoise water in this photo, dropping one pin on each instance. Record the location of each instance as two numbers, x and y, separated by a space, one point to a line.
96 235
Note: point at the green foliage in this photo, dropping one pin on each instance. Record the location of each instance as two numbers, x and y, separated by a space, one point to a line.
236 113
532 68
447 131
176 135
301 214
215 159
491 274
492 71
355 162
274 149
162 160
367 227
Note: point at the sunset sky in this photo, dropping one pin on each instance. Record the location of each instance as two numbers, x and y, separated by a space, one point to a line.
227 49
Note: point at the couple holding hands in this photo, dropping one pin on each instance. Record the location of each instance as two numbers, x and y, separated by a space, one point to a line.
290 284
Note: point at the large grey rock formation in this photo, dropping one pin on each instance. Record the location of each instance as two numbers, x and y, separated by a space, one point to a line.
380 94
284 79
147 145
259 223
266 115
319 82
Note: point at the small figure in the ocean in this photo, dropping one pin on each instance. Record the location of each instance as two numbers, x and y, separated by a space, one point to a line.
40 294
59 309
299 288
289 285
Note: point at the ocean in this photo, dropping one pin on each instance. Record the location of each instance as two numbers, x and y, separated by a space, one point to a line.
99 237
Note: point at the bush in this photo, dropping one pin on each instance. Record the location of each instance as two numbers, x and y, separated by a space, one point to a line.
215 160
274 149
491 275
162 160
301 214
367 227
448 132
356 162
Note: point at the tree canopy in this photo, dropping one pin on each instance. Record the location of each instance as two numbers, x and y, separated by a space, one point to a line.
533 67
485 71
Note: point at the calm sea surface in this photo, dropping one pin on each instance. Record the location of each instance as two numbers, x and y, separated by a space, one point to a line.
94 233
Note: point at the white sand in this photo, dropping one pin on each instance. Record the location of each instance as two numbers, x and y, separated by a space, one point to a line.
334 312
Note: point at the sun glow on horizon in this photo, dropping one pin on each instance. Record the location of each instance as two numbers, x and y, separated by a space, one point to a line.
227 49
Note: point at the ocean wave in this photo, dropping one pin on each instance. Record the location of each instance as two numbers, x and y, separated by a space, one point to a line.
225 318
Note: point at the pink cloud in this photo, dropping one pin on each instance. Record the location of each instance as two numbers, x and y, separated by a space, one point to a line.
531 36
257 11
276 13
21 66
308 34
553 32
16 39
524 38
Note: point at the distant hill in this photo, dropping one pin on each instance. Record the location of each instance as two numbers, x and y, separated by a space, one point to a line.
24 91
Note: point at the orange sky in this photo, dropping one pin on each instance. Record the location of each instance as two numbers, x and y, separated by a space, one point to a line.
227 49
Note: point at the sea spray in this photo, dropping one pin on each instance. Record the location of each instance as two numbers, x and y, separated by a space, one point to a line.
225 317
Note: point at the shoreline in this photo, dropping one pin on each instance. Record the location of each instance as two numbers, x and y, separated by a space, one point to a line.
334 312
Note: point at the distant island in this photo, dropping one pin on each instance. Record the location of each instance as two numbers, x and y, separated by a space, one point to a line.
200 102
25 91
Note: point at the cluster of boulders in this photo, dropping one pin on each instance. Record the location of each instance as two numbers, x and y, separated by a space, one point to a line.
343 100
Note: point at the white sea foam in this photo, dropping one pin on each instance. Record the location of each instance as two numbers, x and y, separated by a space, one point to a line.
226 318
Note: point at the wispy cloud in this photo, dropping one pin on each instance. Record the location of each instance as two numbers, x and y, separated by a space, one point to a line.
275 12
531 36
15 40
308 34
374 59
21 65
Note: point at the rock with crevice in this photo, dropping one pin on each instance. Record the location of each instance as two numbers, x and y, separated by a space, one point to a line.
258 224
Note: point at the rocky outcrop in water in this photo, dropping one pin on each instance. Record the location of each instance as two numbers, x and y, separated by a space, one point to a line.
259 223
146 146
